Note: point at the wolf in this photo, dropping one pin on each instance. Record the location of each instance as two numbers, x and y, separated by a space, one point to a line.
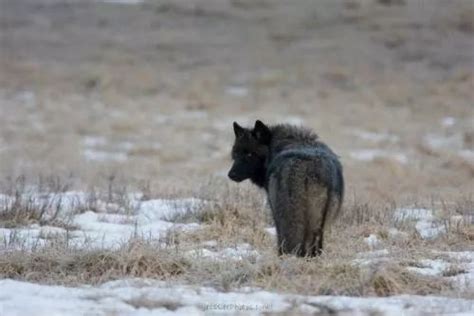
301 175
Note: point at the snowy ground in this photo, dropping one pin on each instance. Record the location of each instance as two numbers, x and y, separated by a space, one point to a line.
147 91
149 297
109 226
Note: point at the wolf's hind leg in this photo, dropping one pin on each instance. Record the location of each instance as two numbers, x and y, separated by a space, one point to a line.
319 248
314 245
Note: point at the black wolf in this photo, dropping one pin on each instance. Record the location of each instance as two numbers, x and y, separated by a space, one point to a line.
301 175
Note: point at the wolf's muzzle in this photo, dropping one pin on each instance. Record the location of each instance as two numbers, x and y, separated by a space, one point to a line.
234 176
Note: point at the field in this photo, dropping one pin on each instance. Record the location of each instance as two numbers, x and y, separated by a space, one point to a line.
115 137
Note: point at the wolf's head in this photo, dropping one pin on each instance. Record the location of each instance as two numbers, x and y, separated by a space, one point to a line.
250 152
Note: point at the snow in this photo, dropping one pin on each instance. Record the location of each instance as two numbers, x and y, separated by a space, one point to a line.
154 219
151 297
103 155
70 201
237 91
209 243
467 154
397 234
153 210
374 254
239 252
99 148
375 137
372 241
427 226
429 229
466 262
94 141
453 143
66 201
430 267
26 98
436 141
372 154
151 219
371 257
448 121
402 214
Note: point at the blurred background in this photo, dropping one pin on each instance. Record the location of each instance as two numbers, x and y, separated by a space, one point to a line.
148 90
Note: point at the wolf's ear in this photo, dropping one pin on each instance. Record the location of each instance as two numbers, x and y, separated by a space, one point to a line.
238 130
262 133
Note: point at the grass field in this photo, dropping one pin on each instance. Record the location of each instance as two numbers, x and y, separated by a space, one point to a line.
115 137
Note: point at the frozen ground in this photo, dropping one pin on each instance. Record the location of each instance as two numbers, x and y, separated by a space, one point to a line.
427 225
108 226
150 297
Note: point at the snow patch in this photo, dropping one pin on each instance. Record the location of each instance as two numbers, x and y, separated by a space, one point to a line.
372 241
429 229
102 155
115 297
426 223
465 259
94 141
99 148
26 98
448 121
155 210
430 267
372 154
375 137
65 202
99 229
396 234
238 252
237 91
371 257
436 141
402 214
467 154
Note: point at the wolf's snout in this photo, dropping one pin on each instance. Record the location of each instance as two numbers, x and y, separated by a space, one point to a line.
232 175
235 175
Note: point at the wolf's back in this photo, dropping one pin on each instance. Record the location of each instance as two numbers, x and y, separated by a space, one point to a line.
305 190
320 164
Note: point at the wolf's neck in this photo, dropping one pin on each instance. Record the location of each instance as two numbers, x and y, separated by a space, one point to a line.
259 177
286 137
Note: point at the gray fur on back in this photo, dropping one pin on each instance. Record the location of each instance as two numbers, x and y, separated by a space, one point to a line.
305 188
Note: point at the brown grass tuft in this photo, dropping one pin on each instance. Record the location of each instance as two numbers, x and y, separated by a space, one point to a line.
70 266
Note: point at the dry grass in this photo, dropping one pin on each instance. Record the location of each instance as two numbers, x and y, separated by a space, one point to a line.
21 208
173 99
64 265
322 276
42 201
237 214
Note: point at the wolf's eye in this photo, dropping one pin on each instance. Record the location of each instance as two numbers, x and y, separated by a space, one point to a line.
249 154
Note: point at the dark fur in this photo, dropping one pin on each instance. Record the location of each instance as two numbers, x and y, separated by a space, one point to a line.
301 175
